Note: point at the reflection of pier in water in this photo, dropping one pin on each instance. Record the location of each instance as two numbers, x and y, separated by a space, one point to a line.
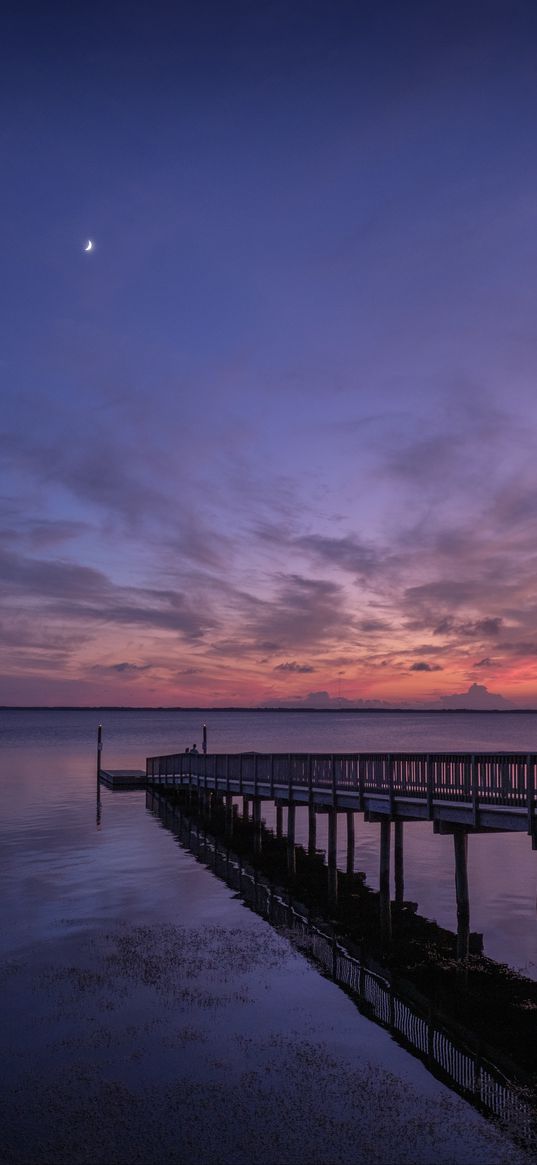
262 868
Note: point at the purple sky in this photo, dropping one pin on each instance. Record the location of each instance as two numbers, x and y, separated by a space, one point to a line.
275 435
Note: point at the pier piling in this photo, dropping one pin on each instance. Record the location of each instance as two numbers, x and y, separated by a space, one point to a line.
384 879
312 829
398 863
460 845
350 841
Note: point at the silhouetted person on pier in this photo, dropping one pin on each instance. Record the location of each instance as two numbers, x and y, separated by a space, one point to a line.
187 750
194 748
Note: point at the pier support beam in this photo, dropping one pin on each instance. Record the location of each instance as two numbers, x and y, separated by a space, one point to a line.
460 845
384 881
350 841
399 863
279 821
245 808
312 829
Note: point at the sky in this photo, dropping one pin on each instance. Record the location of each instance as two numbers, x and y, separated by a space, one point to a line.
274 435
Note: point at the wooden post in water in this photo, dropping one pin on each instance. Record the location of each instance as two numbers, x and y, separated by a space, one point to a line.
99 748
332 854
279 821
204 744
256 818
291 817
384 880
460 845
350 841
291 852
398 863
312 829
229 811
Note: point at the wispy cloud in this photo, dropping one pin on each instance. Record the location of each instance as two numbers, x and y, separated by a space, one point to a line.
294 667
424 667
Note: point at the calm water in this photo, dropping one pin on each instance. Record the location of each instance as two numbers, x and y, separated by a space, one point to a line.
143 1000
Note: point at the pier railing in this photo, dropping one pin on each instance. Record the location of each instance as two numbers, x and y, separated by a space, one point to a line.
501 779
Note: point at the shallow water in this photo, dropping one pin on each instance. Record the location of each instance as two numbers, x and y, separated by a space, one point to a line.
148 1009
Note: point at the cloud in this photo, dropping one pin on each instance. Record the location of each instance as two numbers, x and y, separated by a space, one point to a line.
430 649
371 625
67 591
294 667
478 628
40 534
323 699
522 648
477 696
305 612
126 670
130 668
347 553
425 667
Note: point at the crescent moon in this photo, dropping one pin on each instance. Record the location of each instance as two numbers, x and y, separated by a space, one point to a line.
89 245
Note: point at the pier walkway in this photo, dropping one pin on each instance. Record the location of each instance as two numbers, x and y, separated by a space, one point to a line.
478 791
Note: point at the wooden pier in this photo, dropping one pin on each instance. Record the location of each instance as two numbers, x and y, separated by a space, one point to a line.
478 791
460 793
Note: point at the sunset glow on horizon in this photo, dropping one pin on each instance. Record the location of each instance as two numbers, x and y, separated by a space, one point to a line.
275 436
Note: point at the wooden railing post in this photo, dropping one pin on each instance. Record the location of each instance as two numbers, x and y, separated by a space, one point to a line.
504 769
530 792
430 788
475 793
389 767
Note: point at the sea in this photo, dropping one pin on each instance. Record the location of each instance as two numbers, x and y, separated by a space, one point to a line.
150 1016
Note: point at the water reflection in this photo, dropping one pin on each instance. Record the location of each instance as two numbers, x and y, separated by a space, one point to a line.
471 1021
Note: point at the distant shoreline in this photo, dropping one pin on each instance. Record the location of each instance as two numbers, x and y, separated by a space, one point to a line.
293 710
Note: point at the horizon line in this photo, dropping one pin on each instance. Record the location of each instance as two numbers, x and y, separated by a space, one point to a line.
250 708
